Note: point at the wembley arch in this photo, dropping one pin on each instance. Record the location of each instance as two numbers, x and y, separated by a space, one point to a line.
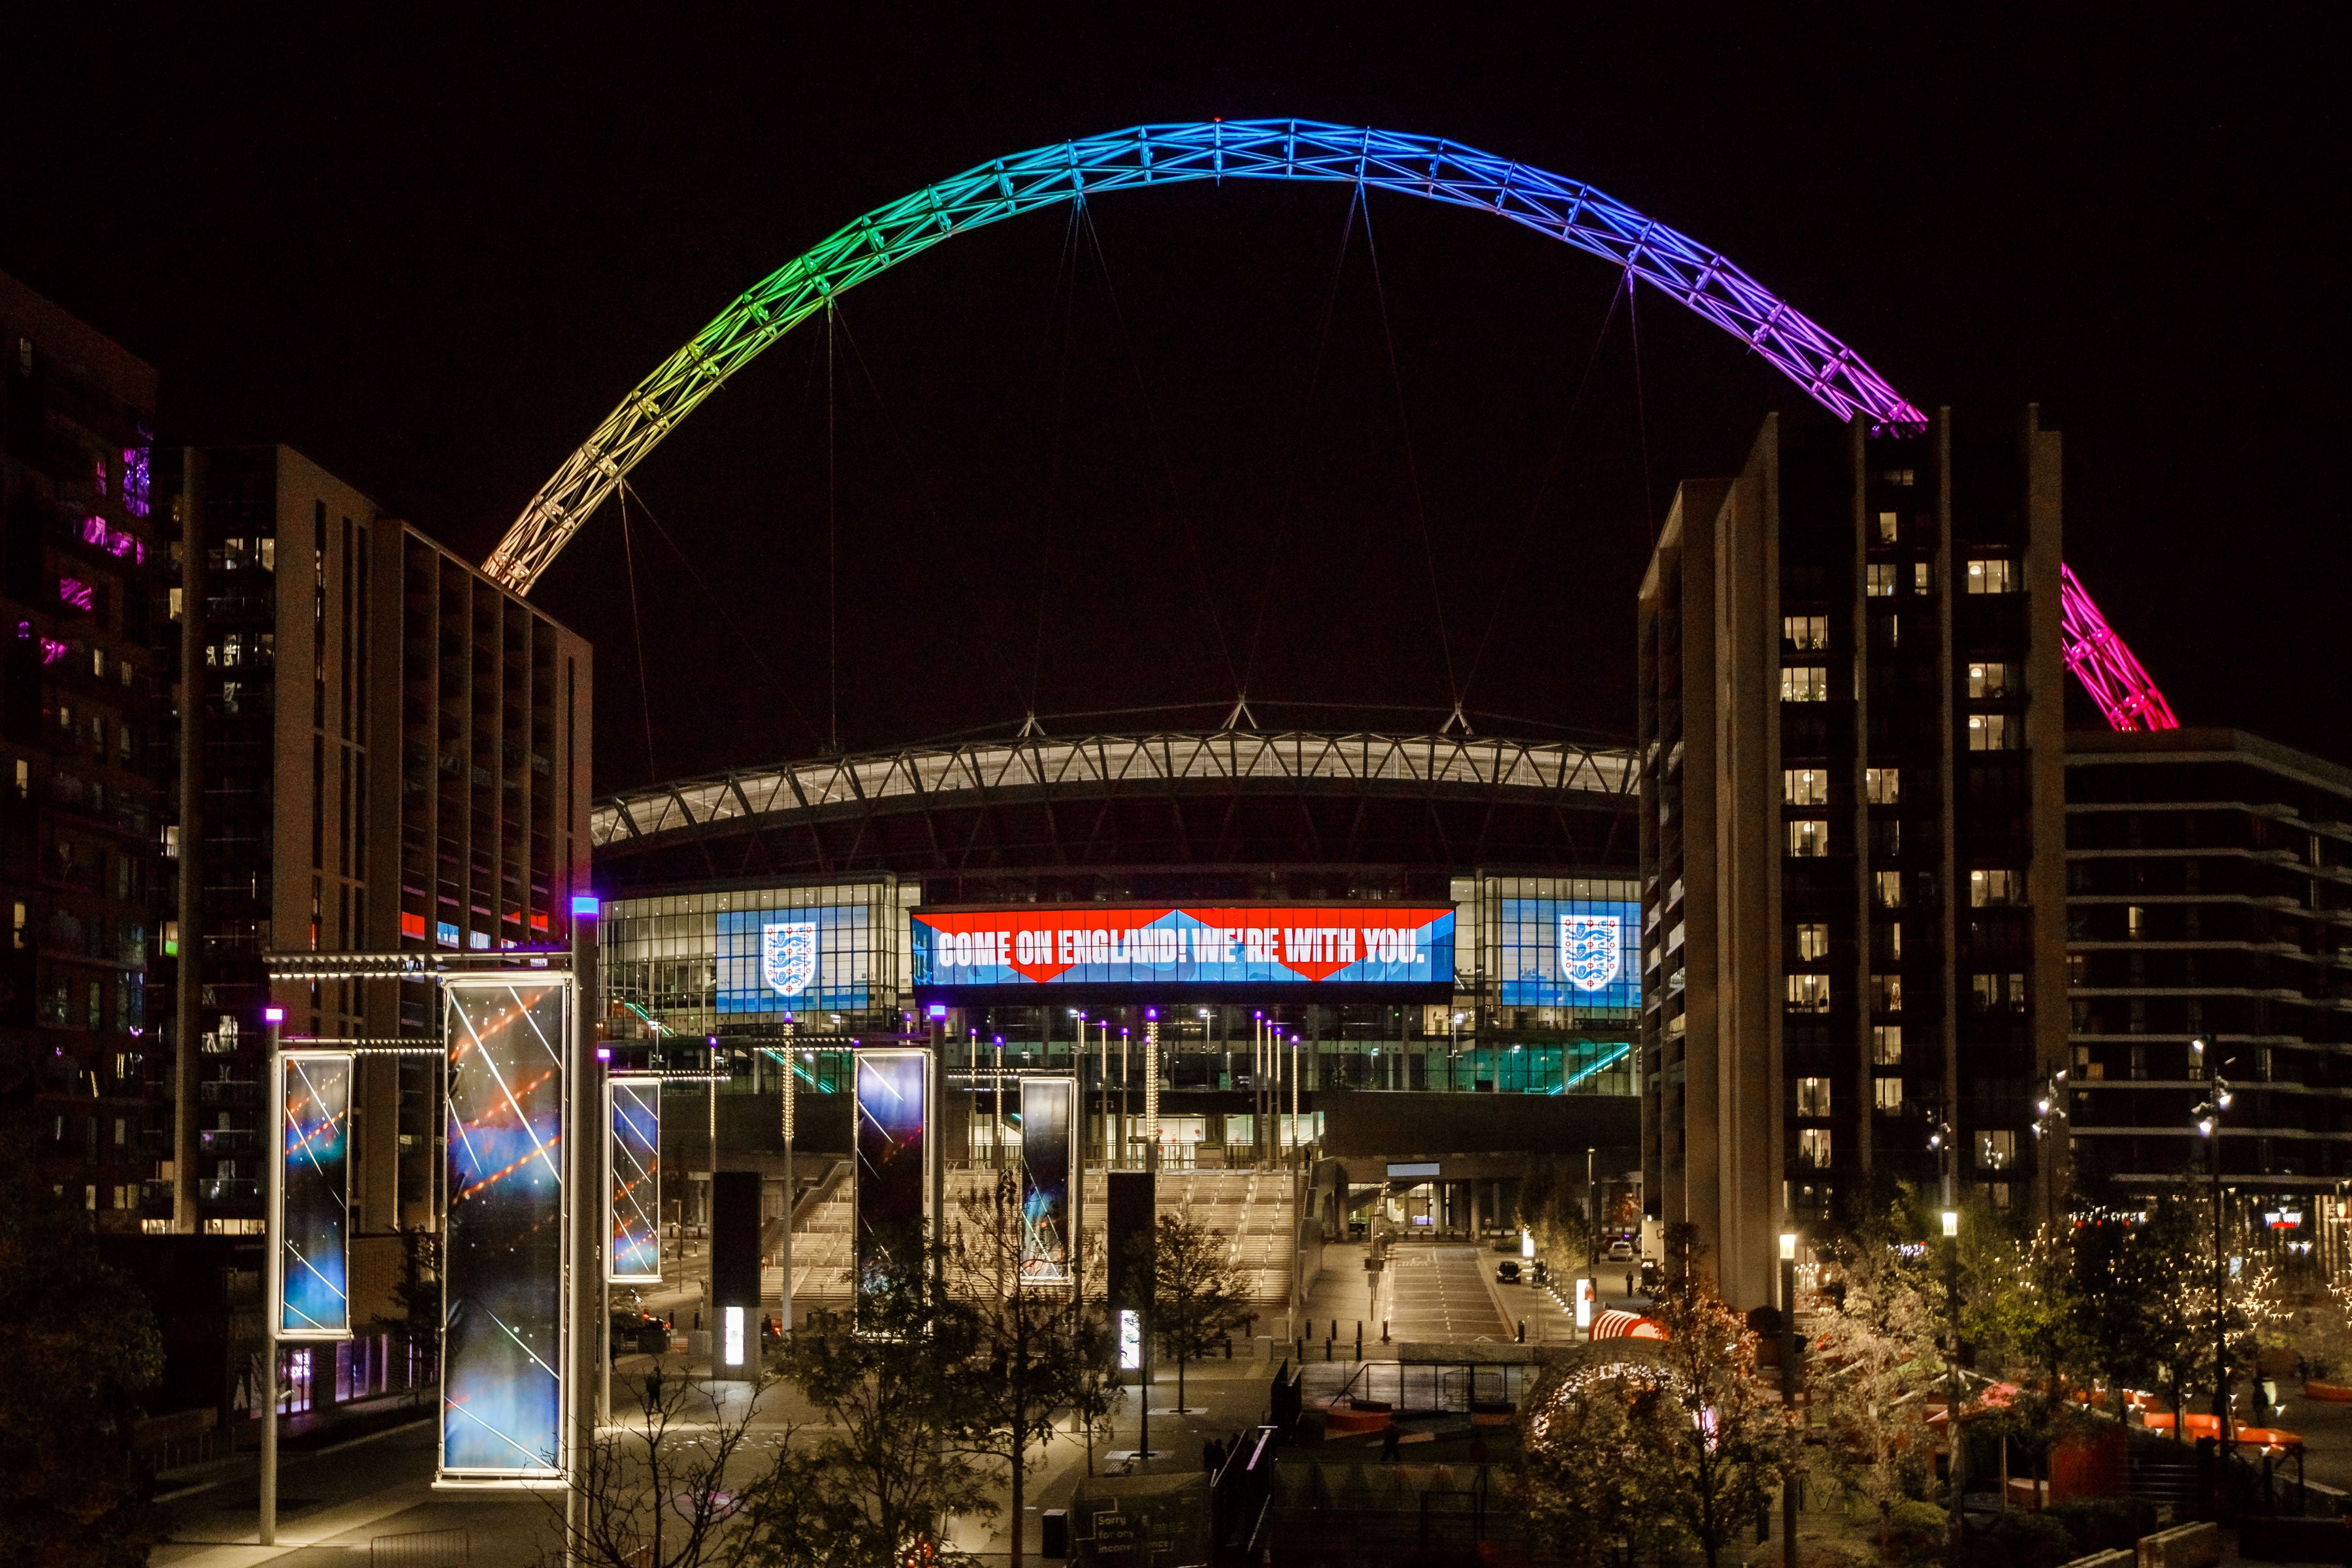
1425 166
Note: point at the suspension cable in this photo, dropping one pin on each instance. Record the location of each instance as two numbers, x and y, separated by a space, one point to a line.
1288 477
1412 463
1511 575
1159 447
637 634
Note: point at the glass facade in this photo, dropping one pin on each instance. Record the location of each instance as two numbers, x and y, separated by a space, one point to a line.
833 956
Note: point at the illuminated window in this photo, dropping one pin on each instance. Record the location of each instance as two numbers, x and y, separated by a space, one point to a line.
1807 633
17 927
1923 577
1886 993
1809 994
97 662
1887 886
1883 786
1878 580
1813 940
1812 1097
1814 1147
1808 838
1886 1044
2136 922
1804 683
1906 477
1995 886
1992 577
24 777
1998 993
1890 1095
1996 1148
1886 526
1995 732
1891 940
1805 786
1988 680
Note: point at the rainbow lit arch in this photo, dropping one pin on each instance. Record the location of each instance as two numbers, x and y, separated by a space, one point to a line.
1831 374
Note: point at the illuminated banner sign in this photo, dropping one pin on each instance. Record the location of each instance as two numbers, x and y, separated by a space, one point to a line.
502 1260
892 1192
311 1179
633 1205
1581 953
794 960
1157 946
1049 1210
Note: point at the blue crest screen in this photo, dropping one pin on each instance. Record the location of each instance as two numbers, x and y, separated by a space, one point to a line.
795 959
1583 953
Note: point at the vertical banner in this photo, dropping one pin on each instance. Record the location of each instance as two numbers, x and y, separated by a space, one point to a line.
310 1184
1130 1216
633 1202
1049 1197
502 1396
893 1188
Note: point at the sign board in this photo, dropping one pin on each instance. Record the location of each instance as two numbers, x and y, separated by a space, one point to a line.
1162 948
633 1198
504 1339
310 1179
1049 1190
891 1194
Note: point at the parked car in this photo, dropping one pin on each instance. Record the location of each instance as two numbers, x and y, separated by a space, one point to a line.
1507 1272
1621 1251
639 1331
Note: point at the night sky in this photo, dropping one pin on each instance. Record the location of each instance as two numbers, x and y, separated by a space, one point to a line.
1214 437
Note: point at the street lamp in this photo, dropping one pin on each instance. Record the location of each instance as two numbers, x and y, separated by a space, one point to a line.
2208 1116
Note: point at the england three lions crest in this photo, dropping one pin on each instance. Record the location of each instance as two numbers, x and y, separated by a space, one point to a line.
787 956
1590 957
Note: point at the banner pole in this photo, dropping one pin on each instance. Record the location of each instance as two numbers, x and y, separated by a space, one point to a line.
274 1275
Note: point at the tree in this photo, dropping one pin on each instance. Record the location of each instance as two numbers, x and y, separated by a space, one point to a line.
1031 1344
1196 1296
1875 1361
1722 1440
416 1318
1585 1481
79 1347
890 1376
652 1491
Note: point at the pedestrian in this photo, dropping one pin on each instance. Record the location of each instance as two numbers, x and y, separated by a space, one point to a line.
1209 1456
1629 1284
1391 1442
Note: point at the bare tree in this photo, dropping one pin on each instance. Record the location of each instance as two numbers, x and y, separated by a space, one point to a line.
653 1490
1032 1339
875 1481
1196 1296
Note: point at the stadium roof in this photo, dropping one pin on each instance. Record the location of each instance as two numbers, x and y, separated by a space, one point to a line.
980 770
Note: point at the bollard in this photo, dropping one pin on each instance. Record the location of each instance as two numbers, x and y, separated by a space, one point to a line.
1384 1330
1327 1349
1522 1330
1229 1347
1359 1339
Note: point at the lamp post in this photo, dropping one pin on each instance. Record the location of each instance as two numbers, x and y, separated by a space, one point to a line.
2050 1108
266 1531
1788 1388
2207 1115
1947 1145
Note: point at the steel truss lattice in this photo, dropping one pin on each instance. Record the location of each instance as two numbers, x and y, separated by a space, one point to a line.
1426 166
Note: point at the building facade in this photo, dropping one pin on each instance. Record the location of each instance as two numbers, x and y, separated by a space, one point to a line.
394 755
2209 898
79 564
1502 839
1852 729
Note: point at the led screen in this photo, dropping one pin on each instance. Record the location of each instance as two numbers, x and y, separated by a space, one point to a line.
794 960
502 1274
1049 1232
314 1098
1570 952
632 1216
1258 944
893 1188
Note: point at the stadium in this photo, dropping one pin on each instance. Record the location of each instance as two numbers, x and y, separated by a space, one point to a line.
1420 1076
